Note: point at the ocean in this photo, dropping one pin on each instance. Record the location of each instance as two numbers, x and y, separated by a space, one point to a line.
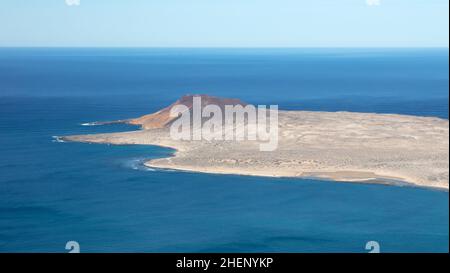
102 196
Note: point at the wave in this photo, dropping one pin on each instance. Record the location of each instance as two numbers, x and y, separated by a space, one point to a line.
95 123
138 164
98 123
57 139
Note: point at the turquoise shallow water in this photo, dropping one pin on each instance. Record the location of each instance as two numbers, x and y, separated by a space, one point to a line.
102 196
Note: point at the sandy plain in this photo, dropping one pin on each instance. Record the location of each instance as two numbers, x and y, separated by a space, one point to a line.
339 146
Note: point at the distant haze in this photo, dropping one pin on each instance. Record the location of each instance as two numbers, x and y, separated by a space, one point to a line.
224 23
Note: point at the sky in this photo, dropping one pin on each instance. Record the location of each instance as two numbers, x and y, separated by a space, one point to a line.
224 23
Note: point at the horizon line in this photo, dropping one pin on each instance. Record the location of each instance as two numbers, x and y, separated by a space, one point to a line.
231 47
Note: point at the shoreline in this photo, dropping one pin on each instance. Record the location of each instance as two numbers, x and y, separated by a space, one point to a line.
369 180
335 146
375 180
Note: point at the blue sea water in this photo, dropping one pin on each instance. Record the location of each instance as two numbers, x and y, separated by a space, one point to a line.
104 198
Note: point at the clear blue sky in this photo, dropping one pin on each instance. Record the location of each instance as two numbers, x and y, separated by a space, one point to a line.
225 23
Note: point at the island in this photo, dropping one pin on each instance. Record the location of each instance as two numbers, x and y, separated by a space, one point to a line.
339 146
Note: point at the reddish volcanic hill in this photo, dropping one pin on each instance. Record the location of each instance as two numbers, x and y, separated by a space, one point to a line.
162 118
